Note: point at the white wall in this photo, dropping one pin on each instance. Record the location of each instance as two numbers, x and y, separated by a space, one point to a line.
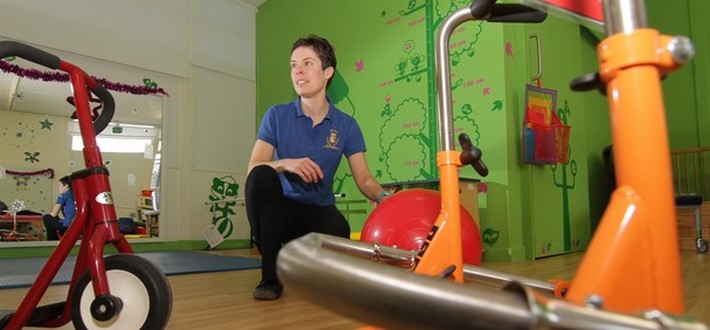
204 55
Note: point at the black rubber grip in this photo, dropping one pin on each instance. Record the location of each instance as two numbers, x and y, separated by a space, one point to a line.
35 55
107 111
505 13
480 9
515 13
32 54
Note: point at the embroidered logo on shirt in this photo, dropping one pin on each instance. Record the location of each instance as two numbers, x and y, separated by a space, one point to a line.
331 142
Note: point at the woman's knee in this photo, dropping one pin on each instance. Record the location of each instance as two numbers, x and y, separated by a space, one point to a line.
338 225
345 230
262 172
262 177
48 218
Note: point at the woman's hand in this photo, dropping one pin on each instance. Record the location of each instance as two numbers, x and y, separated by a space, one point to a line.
305 168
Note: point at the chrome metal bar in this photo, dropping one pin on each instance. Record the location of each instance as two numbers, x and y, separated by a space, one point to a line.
391 297
394 298
559 314
493 278
624 16
405 259
538 53
443 74
374 252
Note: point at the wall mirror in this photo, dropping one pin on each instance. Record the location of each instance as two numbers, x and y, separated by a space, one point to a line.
40 143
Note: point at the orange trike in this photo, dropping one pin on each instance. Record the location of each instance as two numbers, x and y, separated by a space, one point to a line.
630 275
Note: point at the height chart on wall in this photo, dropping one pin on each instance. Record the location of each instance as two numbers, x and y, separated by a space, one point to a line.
398 114
404 132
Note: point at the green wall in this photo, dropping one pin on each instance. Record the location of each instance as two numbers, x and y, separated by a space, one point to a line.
386 80
550 209
700 34
686 91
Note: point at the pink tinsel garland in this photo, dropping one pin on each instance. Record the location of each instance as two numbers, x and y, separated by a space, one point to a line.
48 172
63 77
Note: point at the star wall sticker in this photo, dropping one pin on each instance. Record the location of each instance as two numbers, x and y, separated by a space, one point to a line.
46 124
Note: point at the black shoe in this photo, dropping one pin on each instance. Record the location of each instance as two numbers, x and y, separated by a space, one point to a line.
268 290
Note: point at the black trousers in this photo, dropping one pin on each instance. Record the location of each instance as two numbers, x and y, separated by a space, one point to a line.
276 220
53 226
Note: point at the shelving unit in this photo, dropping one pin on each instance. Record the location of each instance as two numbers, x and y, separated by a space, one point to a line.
147 213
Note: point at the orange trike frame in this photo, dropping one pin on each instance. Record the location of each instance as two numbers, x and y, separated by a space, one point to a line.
631 265
633 259
636 243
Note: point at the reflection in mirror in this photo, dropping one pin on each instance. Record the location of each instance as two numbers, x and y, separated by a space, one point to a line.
40 143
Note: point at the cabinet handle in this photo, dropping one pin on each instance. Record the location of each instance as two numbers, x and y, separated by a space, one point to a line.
538 51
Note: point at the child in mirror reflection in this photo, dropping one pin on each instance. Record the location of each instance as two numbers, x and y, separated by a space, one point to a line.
66 204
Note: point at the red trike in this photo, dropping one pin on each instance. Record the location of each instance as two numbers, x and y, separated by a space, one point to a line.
120 291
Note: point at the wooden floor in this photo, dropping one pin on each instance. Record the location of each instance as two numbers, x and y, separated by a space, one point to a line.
223 300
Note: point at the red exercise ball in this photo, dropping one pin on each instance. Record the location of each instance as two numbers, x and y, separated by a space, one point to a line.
405 219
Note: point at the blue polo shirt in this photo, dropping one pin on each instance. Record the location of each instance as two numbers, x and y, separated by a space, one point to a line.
66 200
292 134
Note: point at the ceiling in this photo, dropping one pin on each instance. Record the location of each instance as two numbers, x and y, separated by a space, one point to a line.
50 98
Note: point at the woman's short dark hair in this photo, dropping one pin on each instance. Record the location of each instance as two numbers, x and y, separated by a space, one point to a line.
322 47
